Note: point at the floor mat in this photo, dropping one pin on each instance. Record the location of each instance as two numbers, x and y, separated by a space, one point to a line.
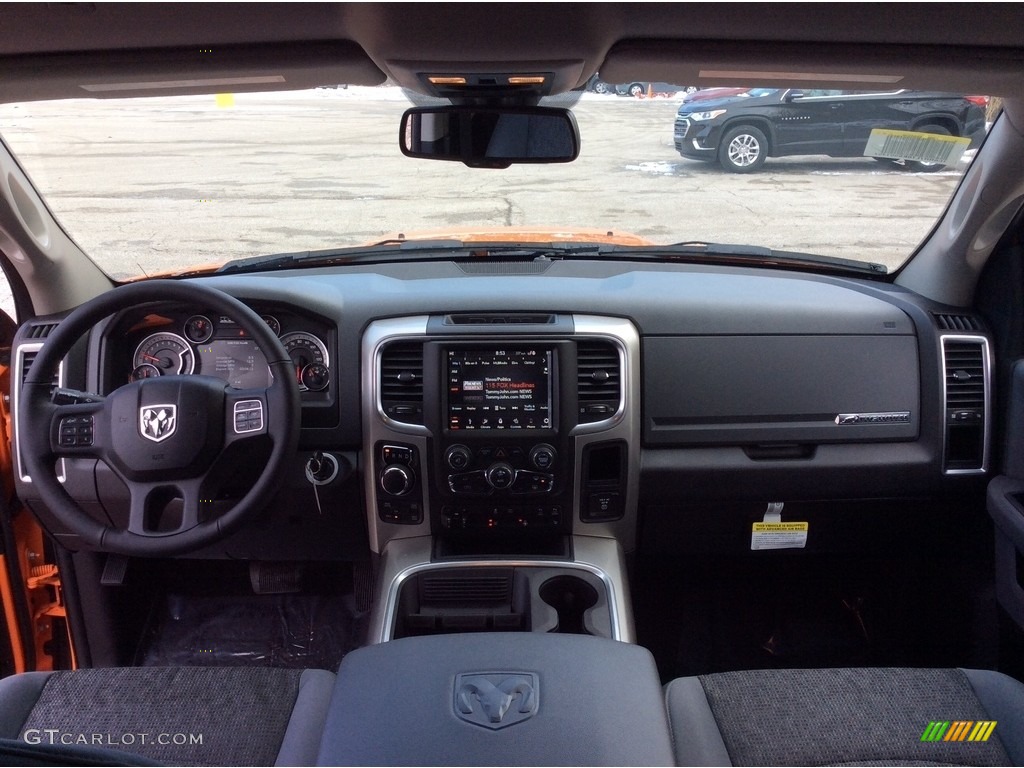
295 631
708 616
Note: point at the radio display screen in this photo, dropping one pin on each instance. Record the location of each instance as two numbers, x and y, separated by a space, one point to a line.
499 388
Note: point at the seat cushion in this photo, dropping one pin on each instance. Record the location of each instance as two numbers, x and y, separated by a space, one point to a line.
843 716
174 715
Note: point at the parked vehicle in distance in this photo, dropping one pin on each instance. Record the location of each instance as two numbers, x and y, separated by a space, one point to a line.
639 90
741 132
596 85
704 94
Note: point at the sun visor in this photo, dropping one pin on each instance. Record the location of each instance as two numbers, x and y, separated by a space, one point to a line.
992 71
169 72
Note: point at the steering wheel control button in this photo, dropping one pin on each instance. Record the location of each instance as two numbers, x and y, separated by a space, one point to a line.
248 416
76 432
500 476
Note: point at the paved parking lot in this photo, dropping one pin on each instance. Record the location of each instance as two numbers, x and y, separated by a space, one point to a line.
177 184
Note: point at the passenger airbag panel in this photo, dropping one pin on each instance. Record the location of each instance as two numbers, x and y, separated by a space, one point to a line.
741 390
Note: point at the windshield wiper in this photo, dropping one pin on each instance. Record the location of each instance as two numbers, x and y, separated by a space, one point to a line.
700 252
402 250
693 252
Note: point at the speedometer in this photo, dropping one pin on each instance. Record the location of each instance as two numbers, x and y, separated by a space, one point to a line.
310 360
169 353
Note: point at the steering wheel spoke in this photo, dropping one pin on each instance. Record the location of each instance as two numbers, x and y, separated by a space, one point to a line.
165 509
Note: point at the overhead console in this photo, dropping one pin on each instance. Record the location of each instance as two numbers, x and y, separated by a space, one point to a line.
501 434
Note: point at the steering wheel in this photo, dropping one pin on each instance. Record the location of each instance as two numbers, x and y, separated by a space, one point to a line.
161 436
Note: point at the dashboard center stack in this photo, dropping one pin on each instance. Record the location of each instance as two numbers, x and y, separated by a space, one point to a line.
499 437
500 463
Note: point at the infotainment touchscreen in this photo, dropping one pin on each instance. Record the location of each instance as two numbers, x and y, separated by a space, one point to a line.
499 388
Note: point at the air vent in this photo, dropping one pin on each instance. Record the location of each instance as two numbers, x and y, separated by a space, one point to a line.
506 267
499 319
401 381
27 358
598 380
40 331
965 363
951 322
464 590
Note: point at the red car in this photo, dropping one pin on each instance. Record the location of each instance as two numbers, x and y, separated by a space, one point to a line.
713 93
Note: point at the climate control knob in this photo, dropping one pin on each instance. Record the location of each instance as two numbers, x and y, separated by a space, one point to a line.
500 476
397 479
542 456
458 457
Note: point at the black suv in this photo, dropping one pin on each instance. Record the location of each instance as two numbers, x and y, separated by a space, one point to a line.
741 131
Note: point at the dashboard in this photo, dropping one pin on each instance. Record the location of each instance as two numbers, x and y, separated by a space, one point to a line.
508 409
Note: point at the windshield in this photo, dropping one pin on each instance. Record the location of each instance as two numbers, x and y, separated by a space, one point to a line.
154 185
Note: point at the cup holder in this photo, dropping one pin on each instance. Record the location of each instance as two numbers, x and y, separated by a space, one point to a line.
571 597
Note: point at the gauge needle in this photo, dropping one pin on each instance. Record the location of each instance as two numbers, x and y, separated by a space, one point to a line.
163 362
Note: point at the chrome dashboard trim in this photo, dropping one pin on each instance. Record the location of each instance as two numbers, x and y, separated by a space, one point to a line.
407 557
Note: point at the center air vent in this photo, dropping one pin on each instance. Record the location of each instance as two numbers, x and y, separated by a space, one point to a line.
598 380
401 381
966 369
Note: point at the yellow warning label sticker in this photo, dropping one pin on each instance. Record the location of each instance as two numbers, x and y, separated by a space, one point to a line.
916 146
779 536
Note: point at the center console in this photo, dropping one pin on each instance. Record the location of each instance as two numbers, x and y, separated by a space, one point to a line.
497 700
505 440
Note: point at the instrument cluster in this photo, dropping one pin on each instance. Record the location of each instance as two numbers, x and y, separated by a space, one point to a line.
184 343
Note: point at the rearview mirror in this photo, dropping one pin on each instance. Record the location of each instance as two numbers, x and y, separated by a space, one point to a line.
490 137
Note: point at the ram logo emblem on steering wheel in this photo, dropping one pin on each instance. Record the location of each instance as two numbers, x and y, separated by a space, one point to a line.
158 422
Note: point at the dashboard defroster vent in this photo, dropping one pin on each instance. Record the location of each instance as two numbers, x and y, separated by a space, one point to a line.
487 318
401 381
598 380
966 368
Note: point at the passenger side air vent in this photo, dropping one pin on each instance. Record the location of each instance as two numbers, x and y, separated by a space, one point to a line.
966 369
951 322
499 319
401 381
598 380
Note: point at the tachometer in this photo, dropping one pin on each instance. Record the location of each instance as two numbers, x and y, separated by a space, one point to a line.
309 360
169 353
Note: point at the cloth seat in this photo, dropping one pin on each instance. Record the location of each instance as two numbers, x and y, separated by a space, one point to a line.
171 715
871 716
